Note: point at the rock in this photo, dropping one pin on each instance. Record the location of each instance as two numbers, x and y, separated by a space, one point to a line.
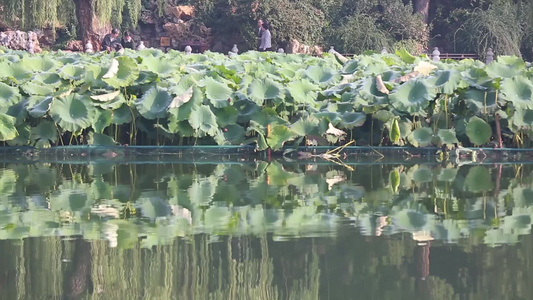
295 46
20 40
181 12
74 46
147 17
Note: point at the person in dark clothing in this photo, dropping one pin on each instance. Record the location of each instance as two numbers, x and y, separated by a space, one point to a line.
128 42
259 33
110 40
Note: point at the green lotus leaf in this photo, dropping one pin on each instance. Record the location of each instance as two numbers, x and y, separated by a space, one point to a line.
122 115
412 97
15 71
421 137
478 180
478 78
35 88
99 139
422 175
102 119
23 137
279 135
163 68
44 133
481 101
405 56
226 115
305 126
217 91
73 112
127 73
350 67
447 175
302 91
145 77
40 63
7 127
322 75
447 136
8 95
246 109
106 96
333 117
234 134
478 131
353 119
183 111
504 70
523 118
73 73
446 81
154 103
38 106
262 89
383 115
519 91
50 79
202 118
183 128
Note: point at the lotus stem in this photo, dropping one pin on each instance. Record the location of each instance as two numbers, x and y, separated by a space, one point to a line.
446 110
499 131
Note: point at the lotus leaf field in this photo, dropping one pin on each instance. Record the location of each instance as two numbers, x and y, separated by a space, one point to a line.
269 100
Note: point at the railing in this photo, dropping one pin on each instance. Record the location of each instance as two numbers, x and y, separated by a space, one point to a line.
458 56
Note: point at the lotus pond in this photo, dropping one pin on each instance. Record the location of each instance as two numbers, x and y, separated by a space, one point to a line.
267 100
232 226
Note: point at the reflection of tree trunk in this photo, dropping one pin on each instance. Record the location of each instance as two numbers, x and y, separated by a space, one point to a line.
88 24
422 7
79 280
422 269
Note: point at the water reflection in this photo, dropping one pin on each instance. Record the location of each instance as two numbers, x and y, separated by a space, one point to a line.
265 231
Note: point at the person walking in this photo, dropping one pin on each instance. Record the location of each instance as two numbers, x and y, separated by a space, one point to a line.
266 38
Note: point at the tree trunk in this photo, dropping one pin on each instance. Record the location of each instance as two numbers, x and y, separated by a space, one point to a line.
422 7
89 26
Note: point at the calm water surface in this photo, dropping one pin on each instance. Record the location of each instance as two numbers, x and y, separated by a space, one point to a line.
278 230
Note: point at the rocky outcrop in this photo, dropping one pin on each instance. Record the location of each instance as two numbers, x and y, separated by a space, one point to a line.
20 40
188 32
180 12
74 46
294 46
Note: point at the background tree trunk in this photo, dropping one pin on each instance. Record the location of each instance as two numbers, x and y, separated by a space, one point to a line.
89 26
422 7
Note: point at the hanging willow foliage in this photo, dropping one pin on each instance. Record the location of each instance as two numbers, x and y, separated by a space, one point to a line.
49 13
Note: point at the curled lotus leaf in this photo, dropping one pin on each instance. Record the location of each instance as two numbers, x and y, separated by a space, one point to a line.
322 75
127 73
72 72
8 95
405 56
478 131
446 81
154 103
38 106
202 118
519 91
35 88
279 135
105 97
217 92
412 97
50 79
352 119
73 112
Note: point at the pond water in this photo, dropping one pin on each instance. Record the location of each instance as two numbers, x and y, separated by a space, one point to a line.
265 230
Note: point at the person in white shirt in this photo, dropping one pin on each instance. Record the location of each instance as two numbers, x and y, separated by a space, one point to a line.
266 38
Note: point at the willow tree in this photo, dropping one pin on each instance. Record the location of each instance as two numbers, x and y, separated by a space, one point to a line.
94 17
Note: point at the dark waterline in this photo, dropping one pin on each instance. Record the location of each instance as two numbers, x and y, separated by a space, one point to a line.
265 230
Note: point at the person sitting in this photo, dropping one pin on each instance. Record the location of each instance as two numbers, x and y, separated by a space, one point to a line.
110 40
127 41
141 46
266 38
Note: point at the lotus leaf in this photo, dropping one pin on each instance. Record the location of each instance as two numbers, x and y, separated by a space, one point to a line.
16 72
44 133
102 120
116 103
523 118
478 131
322 75
262 89
7 127
163 68
38 106
247 109
421 137
519 91
40 64
305 126
50 79
383 115
234 133
412 97
127 73
447 136
8 95
226 116
181 99
302 91
481 101
202 118
105 97
503 69
405 56
34 88
23 137
353 119
72 72
154 103
183 111
73 112
446 81
422 175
